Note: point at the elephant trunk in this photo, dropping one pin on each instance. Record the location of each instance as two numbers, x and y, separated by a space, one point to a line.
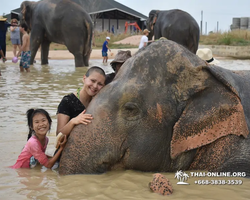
151 34
149 27
98 149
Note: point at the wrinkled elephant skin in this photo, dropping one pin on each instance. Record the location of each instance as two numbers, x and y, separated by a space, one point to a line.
63 22
165 112
175 25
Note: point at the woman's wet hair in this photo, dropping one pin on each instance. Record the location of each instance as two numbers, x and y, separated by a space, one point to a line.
95 69
31 113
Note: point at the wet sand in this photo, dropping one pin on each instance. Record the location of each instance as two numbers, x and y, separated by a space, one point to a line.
65 54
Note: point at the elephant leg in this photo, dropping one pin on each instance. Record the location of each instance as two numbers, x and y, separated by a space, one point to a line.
45 51
76 50
35 41
86 58
78 59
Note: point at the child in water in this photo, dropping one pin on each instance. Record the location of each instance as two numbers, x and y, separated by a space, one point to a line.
25 49
39 123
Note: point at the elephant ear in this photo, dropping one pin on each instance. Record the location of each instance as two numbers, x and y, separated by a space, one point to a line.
26 10
155 18
153 15
209 115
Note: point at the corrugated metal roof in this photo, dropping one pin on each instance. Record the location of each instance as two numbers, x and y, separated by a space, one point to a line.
100 6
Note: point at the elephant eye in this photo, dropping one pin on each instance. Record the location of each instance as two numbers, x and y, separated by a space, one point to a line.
131 111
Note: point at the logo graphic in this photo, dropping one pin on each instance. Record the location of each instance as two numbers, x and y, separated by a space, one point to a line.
181 176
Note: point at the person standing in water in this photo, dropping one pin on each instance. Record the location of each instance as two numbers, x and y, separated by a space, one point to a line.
105 49
15 36
3 30
25 49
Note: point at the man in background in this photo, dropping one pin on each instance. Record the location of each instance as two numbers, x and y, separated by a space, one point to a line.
116 64
105 49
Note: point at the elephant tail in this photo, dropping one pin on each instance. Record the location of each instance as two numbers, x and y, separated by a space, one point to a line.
193 46
88 45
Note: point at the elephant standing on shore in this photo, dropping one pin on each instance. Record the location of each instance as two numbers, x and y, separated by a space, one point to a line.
64 22
175 25
165 112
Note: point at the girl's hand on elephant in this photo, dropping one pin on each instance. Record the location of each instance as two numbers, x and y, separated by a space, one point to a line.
83 118
63 141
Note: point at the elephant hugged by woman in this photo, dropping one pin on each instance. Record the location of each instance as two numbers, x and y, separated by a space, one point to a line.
165 112
64 22
175 25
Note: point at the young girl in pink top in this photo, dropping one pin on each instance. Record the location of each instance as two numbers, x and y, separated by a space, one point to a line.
39 123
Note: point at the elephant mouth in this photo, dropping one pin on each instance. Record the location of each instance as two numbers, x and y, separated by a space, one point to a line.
115 165
120 163
110 166
107 166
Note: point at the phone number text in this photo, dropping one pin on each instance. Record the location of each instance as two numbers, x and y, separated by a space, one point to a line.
219 182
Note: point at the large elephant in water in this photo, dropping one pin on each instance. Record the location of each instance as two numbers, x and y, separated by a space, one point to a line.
64 22
176 25
165 112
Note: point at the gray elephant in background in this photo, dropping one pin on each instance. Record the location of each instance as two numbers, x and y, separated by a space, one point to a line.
64 22
175 25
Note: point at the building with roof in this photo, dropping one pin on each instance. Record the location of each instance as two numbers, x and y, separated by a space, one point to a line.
105 14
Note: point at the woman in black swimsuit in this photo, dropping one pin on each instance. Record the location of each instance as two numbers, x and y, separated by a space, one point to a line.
71 110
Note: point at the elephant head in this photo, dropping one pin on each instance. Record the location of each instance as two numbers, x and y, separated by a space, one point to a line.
26 12
151 22
158 113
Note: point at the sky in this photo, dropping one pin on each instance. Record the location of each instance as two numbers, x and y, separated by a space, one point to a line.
216 13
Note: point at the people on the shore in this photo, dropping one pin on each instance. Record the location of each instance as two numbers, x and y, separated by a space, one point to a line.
105 49
39 123
72 108
25 49
207 55
116 64
3 30
15 36
144 39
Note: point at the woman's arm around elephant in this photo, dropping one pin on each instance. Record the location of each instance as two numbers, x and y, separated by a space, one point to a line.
65 124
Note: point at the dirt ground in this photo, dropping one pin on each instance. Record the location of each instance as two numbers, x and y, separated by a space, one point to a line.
95 54
133 40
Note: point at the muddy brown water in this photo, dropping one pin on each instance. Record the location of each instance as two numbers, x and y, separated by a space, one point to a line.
44 87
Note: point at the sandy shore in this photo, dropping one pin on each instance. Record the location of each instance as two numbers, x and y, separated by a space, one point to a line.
218 51
65 54
95 54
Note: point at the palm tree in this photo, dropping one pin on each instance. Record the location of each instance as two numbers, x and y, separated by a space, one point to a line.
185 176
178 175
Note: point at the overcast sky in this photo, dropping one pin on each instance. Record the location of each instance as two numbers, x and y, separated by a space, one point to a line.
221 11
